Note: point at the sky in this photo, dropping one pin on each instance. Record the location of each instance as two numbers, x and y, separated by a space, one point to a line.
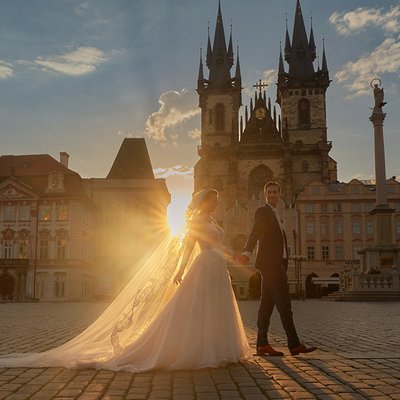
80 75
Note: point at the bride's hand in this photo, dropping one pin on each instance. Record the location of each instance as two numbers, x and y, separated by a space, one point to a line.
178 278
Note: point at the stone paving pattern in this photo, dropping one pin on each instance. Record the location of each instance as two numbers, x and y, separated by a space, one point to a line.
358 358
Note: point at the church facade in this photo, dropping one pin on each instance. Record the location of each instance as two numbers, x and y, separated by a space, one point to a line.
239 154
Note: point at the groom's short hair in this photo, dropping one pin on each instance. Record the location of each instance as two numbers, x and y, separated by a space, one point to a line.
272 183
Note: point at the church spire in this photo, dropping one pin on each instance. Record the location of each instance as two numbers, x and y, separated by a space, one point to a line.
301 60
220 59
324 63
230 49
288 47
312 44
281 68
200 78
238 74
209 50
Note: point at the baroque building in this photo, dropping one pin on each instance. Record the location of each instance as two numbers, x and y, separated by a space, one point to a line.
47 230
238 155
66 238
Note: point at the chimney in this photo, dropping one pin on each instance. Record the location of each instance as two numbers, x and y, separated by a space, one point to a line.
64 157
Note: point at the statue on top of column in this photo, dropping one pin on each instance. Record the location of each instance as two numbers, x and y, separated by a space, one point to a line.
378 95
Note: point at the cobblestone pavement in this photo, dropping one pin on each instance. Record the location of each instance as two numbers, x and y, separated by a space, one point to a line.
358 358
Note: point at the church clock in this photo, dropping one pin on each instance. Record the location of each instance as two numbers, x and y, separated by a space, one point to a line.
260 113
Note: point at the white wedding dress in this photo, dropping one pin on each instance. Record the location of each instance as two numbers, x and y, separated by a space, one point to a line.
154 325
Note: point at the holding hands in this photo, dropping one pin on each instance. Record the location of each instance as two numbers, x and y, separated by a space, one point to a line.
242 259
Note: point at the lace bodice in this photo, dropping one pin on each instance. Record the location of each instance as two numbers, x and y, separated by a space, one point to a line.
207 232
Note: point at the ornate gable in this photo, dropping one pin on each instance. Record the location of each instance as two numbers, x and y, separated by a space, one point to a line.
11 189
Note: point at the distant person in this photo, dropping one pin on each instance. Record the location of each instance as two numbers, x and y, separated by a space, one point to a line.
272 262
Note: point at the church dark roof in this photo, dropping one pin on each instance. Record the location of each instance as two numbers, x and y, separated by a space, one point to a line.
132 161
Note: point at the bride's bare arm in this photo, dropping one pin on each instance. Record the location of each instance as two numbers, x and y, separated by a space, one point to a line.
229 253
191 241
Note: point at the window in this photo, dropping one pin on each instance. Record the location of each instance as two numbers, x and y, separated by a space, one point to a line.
325 228
338 207
220 117
62 212
9 212
304 112
44 249
61 249
338 227
310 252
24 212
354 190
309 208
339 252
8 247
23 249
60 284
324 207
398 227
356 227
305 166
370 227
325 252
310 228
210 118
355 207
44 212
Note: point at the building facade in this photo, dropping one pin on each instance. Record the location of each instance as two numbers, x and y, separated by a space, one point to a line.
64 238
47 230
335 224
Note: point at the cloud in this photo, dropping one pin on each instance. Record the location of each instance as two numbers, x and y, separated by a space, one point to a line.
195 133
180 170
270 76
80 61
356 75
361 18
175 108
5 70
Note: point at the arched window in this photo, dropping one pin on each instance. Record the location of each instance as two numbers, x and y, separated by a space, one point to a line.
258 177
304 112
219 117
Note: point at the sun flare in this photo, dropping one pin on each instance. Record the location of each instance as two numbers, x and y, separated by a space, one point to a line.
176 213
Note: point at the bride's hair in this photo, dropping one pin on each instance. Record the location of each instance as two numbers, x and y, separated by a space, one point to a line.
197 200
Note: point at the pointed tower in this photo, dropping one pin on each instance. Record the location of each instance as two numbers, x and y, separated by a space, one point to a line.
301 95
219 99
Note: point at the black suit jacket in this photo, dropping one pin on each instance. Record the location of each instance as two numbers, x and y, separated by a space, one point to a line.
267 232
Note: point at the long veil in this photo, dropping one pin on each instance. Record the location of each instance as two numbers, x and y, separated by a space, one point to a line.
124 320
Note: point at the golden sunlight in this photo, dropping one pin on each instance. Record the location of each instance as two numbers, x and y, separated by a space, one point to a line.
176 213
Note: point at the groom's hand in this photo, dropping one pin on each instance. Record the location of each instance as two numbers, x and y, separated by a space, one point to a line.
242 259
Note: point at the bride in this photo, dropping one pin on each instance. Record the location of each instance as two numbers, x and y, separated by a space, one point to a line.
163 318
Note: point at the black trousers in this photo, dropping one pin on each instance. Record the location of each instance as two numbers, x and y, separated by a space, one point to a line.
275 292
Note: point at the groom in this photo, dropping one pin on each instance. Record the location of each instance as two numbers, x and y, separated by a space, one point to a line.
272 262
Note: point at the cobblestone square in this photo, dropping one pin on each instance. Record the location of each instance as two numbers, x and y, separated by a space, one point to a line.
358 357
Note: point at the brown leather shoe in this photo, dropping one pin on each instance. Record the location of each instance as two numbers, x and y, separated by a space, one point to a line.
268 349
301 348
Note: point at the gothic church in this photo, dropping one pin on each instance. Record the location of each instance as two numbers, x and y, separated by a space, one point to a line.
239 155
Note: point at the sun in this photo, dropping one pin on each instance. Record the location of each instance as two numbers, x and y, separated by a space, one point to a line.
176 213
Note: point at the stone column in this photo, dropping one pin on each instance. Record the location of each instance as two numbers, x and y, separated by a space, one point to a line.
377 119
